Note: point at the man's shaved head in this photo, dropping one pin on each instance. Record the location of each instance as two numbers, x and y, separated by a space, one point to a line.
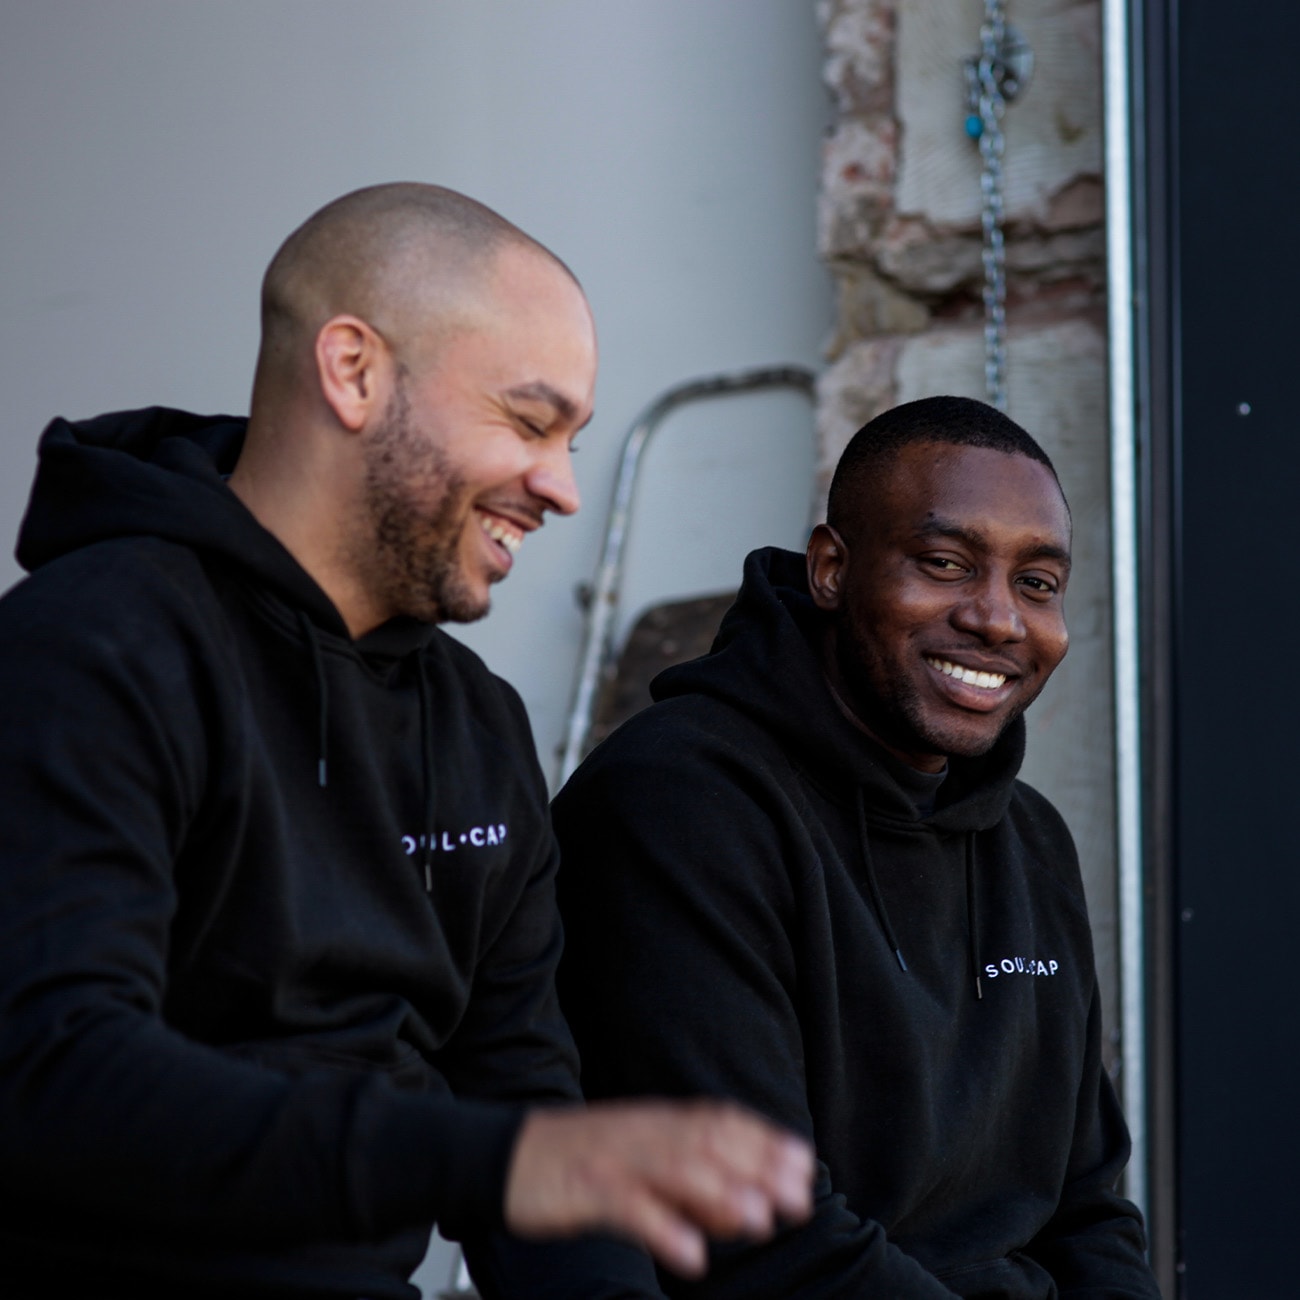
408 259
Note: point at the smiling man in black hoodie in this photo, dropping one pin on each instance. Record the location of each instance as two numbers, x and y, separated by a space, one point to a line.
277 926
808 878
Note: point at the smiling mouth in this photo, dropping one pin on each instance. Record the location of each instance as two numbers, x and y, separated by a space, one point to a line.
500 531
985 681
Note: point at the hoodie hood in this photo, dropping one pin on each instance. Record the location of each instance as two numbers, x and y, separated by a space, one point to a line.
162 474
770 635
159 473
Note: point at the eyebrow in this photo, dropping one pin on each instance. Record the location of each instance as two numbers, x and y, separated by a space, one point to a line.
938 526
540 391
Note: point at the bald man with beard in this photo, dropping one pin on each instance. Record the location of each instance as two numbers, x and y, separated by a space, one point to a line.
277 927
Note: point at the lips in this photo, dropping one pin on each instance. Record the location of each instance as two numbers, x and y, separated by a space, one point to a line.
974 690
984 681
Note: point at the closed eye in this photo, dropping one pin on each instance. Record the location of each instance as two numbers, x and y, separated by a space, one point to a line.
536 430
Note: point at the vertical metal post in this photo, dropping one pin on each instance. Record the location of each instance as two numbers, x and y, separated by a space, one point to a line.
1124 576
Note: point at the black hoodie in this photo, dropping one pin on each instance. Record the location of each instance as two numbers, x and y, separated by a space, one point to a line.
277 927
755 908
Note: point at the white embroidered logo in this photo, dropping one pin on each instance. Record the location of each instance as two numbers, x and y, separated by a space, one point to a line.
476 837
1021 966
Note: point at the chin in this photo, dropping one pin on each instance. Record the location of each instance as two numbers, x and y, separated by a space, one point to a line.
449 597
963 743
456 604
463 613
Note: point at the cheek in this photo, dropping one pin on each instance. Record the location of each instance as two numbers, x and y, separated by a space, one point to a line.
885 642
915 615
1053 642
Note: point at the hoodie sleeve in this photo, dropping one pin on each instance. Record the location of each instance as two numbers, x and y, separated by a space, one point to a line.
1094 1244
514 1045
679 978
102 763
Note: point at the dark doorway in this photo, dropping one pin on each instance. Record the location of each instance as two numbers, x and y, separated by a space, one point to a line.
1221 180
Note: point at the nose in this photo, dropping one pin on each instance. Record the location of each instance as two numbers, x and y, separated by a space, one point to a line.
991 612
551 479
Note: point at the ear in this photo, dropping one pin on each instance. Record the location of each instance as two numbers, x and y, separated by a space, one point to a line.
827 561
351 360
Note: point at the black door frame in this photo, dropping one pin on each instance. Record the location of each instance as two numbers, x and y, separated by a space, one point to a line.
1217 173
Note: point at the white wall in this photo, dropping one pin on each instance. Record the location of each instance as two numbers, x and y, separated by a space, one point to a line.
155 152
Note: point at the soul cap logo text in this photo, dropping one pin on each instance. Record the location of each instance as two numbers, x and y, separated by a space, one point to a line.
1021 966
476 837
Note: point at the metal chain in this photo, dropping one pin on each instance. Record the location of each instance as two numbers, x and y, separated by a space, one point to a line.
992 80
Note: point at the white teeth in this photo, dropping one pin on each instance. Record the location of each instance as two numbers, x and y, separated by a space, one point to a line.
986 681
508 538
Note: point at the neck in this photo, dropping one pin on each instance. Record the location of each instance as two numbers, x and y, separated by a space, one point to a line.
303 508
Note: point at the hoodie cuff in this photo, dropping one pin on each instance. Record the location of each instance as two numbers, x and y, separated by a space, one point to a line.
437 1158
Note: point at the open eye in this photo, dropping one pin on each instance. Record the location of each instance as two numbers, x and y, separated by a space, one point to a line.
1038 585
943 566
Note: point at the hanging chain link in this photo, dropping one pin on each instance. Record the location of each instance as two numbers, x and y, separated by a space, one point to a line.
992 81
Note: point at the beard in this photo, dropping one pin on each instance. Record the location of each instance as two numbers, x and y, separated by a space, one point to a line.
419 510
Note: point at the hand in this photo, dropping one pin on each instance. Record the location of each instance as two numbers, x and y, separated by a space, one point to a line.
663 1173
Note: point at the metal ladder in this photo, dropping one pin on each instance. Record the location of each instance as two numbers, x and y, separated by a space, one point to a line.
600 600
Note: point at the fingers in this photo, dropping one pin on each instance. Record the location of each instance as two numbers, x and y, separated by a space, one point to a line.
663 1173
770 1169
734 1174
672 1239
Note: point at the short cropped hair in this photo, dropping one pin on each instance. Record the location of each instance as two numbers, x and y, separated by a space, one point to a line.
959 421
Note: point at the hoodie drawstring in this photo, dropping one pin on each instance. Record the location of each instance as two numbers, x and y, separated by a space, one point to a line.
322 695
426 737
426 764
882 916
972 921
870 871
